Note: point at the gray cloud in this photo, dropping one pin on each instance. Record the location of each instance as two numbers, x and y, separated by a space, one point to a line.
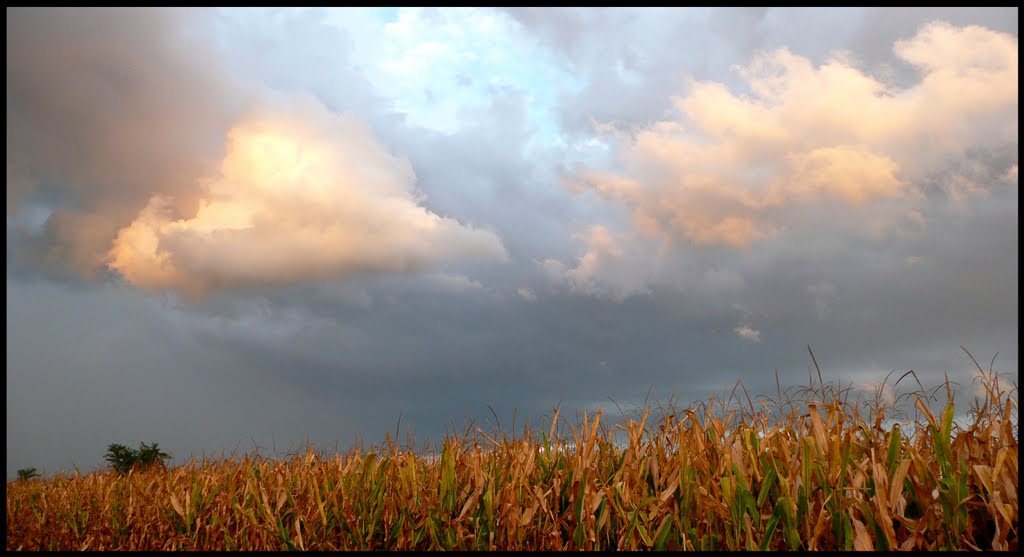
104 109
635 59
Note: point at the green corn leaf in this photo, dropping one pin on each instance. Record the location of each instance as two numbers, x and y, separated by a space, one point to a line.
769 482
769 530
895 439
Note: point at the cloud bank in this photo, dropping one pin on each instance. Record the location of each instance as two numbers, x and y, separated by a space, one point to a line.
731 168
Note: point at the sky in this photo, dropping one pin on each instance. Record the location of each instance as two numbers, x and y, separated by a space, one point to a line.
237 230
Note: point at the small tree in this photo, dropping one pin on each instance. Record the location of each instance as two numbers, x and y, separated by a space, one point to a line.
120 457
123 459
151 454
26 474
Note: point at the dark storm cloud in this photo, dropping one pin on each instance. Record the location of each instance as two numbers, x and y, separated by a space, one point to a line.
104 109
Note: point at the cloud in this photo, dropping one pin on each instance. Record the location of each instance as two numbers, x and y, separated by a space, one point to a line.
748 333
302 194
604 270
527 294
455 282
338 361
1011 175
732 169
150 156
876 389
105 108
440 66
744 330
824 293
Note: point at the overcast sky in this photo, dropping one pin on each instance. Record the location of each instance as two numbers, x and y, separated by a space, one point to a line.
259 227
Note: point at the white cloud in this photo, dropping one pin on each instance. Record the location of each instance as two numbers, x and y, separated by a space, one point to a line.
748 333
744 330
302 194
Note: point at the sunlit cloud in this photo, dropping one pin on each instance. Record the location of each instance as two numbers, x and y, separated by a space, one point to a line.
302 194
730 167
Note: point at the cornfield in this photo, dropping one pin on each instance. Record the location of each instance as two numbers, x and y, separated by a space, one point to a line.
821 473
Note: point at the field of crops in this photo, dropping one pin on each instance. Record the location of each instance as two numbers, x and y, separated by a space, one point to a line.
819 472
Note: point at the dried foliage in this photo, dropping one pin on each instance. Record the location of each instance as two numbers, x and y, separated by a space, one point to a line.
817 473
